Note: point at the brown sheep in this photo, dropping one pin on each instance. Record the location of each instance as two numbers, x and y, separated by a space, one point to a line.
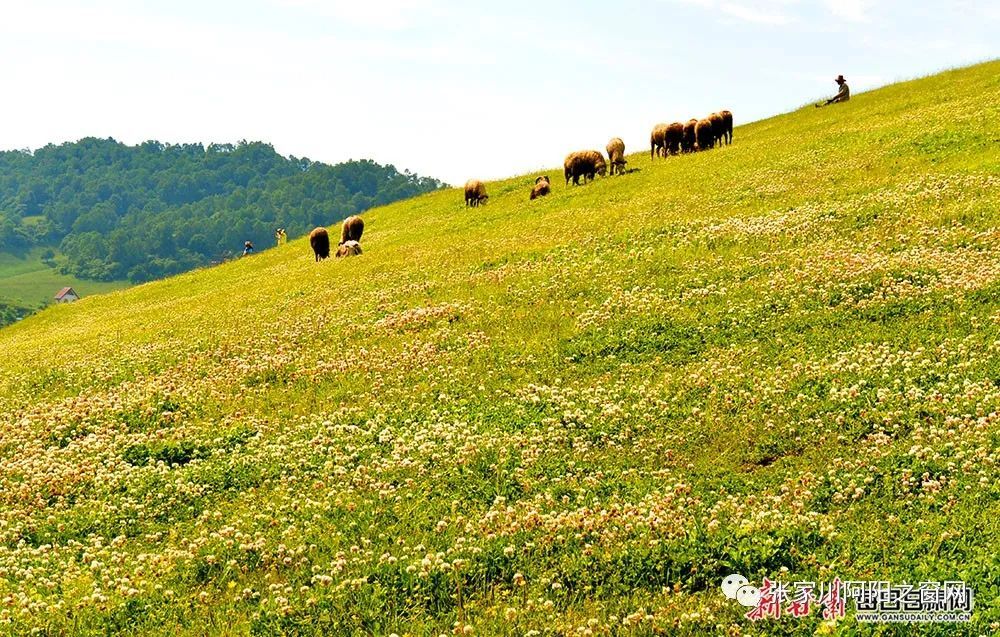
616 156
475 193
674 138
704 133
657 140
542 187
727 121
585 163
320 242
718 128
689 139
348 249
352 229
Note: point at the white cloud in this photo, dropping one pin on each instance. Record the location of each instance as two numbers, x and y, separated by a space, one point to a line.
382 15
770 12
759 13
852 10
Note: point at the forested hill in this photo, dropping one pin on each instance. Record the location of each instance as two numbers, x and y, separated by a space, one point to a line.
146 211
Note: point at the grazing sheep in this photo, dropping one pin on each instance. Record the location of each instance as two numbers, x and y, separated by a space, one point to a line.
657 140
348 249
320 242
727 120
542 187
616 156
475 193
585 163
718 128
674 138
689 139
704 133
352 229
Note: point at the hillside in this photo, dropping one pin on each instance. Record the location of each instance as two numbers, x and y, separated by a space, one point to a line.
778 358
29 281
137 213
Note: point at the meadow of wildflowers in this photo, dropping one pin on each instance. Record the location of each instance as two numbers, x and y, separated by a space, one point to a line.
571 416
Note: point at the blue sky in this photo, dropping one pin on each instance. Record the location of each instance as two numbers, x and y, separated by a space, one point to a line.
449 89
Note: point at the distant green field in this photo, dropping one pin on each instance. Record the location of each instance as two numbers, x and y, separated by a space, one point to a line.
25 280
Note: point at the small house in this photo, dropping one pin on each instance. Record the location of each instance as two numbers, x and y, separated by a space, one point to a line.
66 295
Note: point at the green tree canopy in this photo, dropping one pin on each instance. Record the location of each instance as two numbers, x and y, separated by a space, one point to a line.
146 211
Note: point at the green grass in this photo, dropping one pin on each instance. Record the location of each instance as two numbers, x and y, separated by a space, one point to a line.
27 280
778 358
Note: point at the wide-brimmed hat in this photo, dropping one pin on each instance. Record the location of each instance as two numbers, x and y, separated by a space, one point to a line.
840 78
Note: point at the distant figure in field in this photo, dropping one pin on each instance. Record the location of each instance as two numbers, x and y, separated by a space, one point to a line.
704 134
674 138
658 140
584 163
616 156
542 187
349 248
688 140
247 248
842 95
475 193
320 242
353 228
727 121
280 237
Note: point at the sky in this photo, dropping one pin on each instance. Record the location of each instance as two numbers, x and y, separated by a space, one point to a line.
448 89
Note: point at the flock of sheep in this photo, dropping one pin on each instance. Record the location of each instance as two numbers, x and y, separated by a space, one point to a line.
666 139
350 239
697 134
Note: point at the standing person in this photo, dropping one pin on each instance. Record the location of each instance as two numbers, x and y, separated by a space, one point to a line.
247 248
280 237
842 95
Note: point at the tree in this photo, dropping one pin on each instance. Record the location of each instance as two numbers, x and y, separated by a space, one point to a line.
149 210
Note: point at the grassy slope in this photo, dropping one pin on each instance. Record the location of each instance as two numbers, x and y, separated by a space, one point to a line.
29 282
777 355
